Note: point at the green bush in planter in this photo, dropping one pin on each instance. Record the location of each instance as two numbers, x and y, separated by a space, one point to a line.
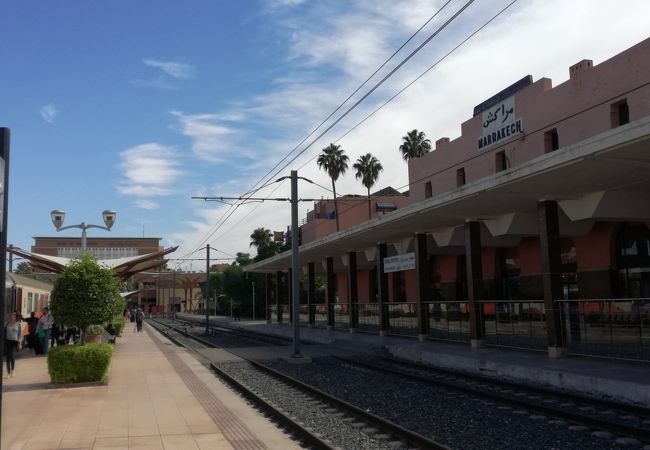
95 329
79 363
118 323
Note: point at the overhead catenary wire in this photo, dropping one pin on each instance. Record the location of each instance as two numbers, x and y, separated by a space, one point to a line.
351 108
360 204
311 133
252 190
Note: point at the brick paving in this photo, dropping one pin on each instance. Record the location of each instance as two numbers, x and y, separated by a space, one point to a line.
154 400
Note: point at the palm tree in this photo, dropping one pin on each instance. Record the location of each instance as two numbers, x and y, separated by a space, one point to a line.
415 145
334 161
260 238
368 168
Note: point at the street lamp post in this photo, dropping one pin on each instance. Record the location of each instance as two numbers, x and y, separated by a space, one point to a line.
58 217
253 283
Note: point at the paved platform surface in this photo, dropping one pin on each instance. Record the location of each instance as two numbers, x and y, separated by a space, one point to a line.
158 397
619 381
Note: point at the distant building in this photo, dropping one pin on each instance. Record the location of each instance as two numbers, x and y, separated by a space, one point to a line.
353 209
101 247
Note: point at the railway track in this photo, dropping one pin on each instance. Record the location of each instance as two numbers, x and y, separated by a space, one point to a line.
626 421
316 418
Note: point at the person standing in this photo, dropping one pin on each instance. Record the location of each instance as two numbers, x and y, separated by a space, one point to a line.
139 317
13 342
44 329
32 340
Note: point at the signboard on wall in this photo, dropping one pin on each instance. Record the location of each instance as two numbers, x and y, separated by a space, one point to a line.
399 262
499 123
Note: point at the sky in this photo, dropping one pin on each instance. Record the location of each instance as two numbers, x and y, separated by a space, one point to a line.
139 106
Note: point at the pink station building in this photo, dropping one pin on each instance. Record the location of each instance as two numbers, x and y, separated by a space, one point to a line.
530 230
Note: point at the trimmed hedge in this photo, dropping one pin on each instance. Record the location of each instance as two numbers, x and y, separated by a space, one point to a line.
118 323
79 363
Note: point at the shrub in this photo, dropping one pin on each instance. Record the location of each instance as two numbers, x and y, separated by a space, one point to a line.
95 329
118 323
79 364
85 293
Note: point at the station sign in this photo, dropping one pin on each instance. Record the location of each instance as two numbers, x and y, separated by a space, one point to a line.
399 262
499 123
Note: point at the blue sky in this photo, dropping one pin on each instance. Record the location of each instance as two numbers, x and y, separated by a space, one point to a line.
137 106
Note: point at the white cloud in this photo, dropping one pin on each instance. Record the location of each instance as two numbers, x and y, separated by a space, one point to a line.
213 138
145 204
149 170
349 41
156 83
48 112
171 68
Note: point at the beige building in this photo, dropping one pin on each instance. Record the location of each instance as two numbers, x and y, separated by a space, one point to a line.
101 247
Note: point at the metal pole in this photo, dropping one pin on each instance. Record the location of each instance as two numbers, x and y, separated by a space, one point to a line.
295 264
207 289
83 238
266 297
174 296
4 195
253 300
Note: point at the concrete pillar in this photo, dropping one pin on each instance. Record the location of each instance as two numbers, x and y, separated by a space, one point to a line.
278 294
549 240
353 292
382 289
331 292
311 293
474 281
423 281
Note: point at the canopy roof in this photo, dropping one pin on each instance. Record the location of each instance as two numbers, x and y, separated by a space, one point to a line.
604 177
123 267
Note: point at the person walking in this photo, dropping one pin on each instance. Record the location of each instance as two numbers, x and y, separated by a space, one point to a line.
32 341
13 342
44 329
235 310
139 317
56 330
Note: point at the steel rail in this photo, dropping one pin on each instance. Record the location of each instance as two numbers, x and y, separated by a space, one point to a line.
640 411
400 433
640 434
287 423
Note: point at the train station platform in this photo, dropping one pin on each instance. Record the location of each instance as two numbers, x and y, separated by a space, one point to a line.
158 396
616 380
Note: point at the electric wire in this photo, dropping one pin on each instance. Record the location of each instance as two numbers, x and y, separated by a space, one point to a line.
354 92
358 102
252 190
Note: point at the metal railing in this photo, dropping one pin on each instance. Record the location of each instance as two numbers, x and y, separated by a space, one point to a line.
514 323
402 318
341 316
448 321
369 320
615 328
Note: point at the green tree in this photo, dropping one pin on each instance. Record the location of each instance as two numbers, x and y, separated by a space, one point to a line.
243 259
24 268
334 161
261 237
414 145
368 168
262 240
85 294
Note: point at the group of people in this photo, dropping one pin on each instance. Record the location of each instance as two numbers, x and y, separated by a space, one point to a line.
42 332
136 316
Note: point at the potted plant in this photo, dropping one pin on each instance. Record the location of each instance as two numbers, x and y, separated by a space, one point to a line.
94 333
